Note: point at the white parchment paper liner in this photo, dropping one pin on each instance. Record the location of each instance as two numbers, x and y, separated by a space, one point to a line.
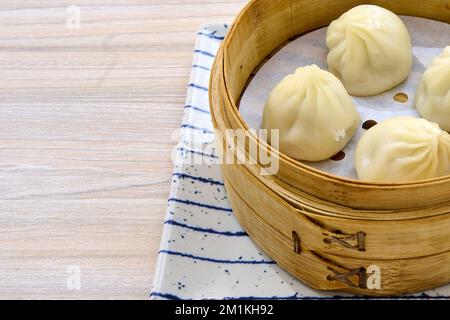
429 38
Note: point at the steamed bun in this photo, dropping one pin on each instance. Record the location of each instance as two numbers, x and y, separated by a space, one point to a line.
433 94
369 50
403 149
315 116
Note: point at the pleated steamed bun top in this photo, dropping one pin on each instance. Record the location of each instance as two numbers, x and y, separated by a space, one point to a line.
315 115
433 94
403 149
369 50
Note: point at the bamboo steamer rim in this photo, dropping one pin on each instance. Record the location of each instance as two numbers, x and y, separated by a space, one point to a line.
319 206
283 157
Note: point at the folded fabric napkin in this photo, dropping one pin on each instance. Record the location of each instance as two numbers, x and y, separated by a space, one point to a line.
204 252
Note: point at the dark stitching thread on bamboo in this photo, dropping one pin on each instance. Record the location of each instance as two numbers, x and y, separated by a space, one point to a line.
296 242
360 238
343 277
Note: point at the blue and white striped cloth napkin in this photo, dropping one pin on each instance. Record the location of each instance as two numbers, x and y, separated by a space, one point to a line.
204 252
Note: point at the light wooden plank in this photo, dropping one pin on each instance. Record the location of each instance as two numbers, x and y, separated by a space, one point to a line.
86 118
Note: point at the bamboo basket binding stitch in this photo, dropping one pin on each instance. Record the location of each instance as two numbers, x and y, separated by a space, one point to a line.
326 230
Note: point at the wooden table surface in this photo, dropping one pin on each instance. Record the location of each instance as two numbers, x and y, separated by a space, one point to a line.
86 116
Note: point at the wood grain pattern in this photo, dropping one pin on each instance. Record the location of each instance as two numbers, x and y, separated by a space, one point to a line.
86 117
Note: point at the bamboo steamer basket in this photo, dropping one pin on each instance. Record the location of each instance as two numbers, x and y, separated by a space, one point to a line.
325 230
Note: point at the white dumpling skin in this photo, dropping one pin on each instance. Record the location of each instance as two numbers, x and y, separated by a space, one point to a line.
403 149
315 115
369 50
433 94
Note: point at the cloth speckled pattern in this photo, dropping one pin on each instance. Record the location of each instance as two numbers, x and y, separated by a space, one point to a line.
204 252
